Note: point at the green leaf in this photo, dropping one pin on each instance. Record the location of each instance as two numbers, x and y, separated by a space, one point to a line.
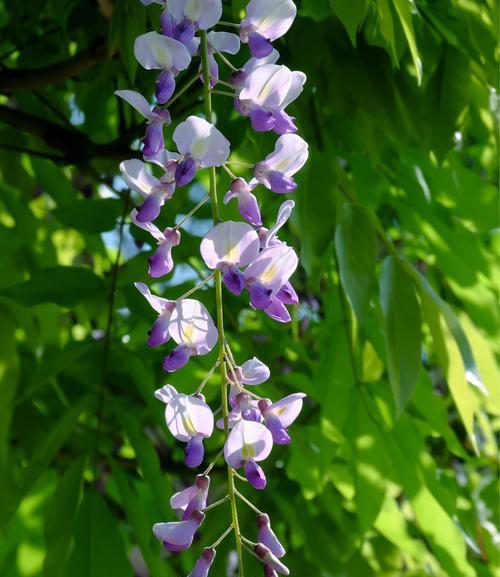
316 213
403 329
355 243
352 14
386 26
148 461
140 523
9 375
447 93
403 8
60 519
53 180
128 22
99 549
63 285
92 215
49 446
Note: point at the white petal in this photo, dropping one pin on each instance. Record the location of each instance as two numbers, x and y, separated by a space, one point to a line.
273 267
254 372
192 325
247 440
135 174
166 393
296 87
272 18
224 42
289 156
288 409
267 86
155 51
230 242
137 101
284 214
187 416
206 13
159 304
202 140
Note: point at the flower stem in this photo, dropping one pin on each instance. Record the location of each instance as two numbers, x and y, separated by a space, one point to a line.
223 93
249 503
229 171
207 376
227 62
220 314
222 537
192 211
197 287
216 504
181 91
231 24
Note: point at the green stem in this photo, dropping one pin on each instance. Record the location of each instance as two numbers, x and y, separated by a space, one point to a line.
220 314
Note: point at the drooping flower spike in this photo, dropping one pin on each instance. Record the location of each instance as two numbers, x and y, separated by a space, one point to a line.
240 255
265 21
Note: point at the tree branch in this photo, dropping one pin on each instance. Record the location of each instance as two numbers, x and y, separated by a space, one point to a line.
12 80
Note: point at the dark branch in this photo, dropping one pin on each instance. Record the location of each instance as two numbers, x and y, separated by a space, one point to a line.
31 79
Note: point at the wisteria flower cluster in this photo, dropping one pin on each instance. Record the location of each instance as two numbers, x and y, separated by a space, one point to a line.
244 256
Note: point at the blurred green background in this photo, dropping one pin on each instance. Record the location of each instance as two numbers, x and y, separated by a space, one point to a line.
393 466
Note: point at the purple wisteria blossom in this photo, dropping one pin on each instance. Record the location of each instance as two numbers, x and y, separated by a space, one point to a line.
265 92
153 141
178 535
248 443
201 145
192 498
189 419
242 256
265 21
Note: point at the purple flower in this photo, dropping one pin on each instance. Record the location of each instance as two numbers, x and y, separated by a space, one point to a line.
265 92
279 416
268 237
189 419
204 14
265 276
183 31
271 562
267 536
201 144
265 21
159 333
161 262
204 563
178 535
155 191
244 407
226 42
153 141
247 202
251 372
192 498
289 156
193 329
248 443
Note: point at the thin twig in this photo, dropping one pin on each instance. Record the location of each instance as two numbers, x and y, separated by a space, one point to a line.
231 24
207 377
216 504
107 336
213 463
222 93
229 171
182 90
225 60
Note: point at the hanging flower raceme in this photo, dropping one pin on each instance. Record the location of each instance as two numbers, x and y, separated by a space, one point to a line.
239 255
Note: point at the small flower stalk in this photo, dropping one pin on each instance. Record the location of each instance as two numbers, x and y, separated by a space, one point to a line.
242 257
